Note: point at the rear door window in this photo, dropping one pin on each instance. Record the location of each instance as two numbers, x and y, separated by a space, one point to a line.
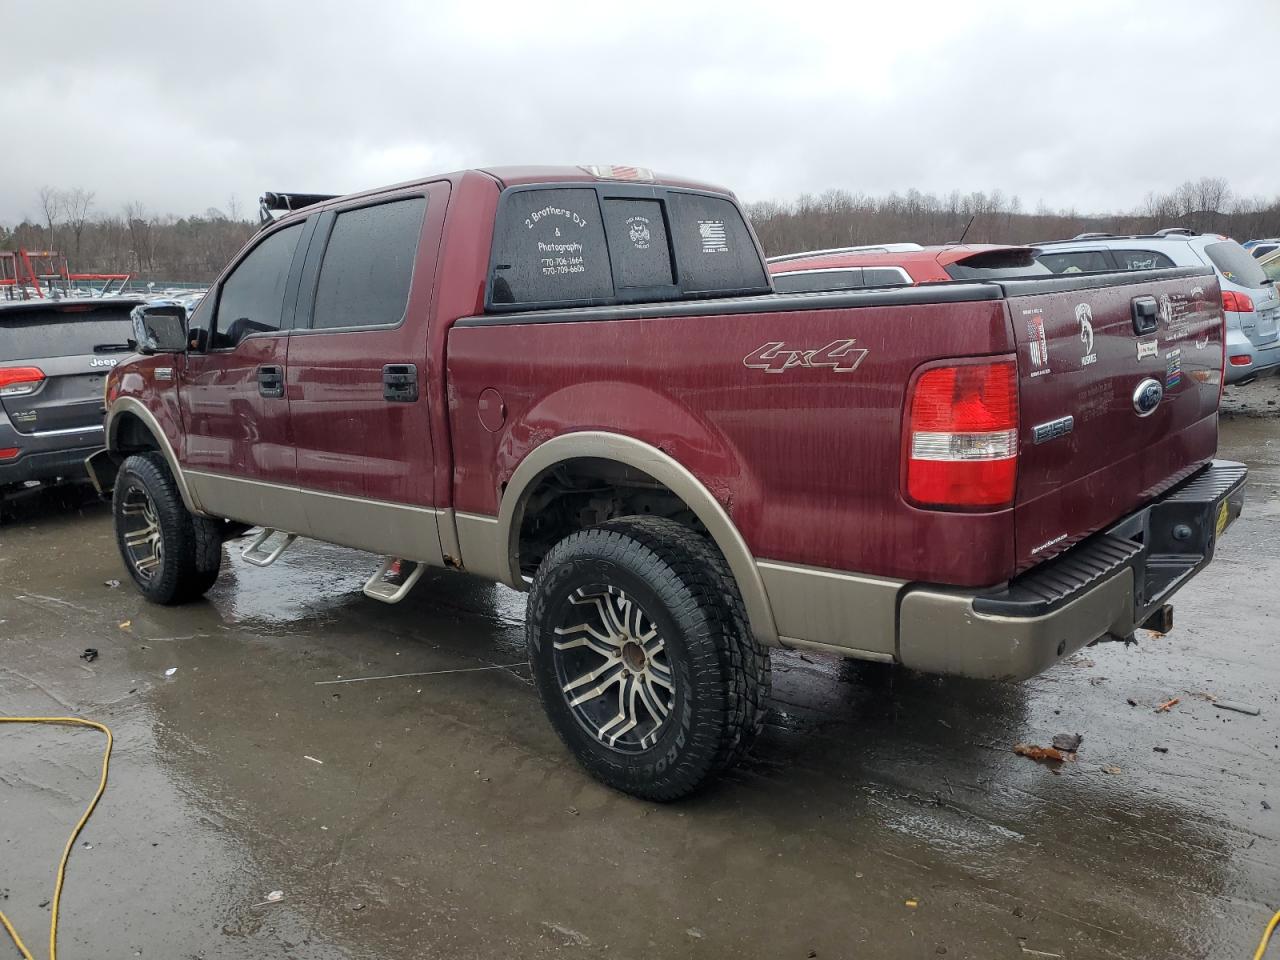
713 247
368 265
884 277
550 248
1078 261
641 253
252 297
1141 259
809 281
1235 263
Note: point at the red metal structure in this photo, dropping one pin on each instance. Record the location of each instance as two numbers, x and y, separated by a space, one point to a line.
25 273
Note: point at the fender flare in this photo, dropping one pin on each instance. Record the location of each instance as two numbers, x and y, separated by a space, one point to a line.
135 407
667 471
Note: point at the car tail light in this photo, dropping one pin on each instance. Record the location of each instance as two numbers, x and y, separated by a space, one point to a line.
8 453
1236 302
16 381
963 436
1242 360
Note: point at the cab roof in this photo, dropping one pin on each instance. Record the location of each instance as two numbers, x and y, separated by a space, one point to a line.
942 254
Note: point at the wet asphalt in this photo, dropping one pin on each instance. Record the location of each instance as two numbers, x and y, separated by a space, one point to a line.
883 814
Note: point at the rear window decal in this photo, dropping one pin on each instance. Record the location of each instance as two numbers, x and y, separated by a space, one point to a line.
714 236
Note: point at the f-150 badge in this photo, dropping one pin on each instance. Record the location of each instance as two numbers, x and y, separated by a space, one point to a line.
840 355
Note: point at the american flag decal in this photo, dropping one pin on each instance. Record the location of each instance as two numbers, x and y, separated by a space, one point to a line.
1039 344
714 238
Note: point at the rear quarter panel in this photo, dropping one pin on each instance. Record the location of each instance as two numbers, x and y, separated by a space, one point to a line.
806 460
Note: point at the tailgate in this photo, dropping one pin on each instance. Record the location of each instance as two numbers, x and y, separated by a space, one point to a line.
73 344
1110 417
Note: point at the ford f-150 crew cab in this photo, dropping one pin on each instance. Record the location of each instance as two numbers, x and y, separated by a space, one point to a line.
579 382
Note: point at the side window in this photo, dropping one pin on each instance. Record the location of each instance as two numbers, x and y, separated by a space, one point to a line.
809 281
550 248
199 322
368 265
883 277
637 232
714 249
1141 259
1081 261
252 298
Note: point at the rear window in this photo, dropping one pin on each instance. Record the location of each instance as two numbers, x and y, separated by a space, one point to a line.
41 334
1080 261
1235 263
368 265
811 281
1271 268
1141 259
592 245
998 265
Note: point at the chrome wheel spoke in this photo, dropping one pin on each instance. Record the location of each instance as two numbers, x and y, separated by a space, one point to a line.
607 676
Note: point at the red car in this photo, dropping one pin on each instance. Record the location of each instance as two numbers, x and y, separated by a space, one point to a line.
900 264
578 382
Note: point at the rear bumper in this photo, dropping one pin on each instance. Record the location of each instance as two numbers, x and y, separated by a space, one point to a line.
1260 359
1106 586
46 456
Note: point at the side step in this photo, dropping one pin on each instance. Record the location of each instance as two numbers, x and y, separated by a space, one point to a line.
393 590
257 553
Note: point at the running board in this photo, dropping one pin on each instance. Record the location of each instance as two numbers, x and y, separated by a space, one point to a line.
379 588
256 552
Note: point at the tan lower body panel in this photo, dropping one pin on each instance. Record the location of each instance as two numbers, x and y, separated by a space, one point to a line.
831 611
390 529
482 547
942 633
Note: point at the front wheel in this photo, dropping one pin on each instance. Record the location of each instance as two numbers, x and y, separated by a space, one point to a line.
643 658
173 555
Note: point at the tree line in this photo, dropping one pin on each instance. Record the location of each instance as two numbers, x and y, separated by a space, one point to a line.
137 241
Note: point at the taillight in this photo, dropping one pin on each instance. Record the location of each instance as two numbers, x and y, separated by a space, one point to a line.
8 453
16 381
1241 360
963 436
1236 302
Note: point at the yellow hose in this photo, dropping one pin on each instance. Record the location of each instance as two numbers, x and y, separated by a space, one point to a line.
1266 936
66 853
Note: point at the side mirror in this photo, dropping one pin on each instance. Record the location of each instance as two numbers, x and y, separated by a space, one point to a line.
160 327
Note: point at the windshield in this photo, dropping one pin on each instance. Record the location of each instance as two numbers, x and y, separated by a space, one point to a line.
1236 264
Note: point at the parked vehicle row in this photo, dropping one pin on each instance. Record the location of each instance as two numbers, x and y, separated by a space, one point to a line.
581 382
1250 300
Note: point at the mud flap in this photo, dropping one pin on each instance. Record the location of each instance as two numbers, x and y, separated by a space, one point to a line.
102 467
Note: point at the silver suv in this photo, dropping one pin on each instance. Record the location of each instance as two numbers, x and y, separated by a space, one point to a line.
1249 296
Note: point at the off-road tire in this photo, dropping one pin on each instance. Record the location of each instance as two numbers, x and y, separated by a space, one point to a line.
683 585
192 545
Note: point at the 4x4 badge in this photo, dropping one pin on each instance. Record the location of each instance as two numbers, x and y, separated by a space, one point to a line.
840 355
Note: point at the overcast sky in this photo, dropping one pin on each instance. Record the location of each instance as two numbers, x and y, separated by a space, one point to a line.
1079 104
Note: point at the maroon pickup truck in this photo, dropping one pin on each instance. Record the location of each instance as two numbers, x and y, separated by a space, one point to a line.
579 382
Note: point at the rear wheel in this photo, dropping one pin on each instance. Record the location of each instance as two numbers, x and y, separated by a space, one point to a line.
173 556
643 658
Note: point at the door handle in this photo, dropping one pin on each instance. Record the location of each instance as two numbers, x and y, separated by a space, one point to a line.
400 382
271 381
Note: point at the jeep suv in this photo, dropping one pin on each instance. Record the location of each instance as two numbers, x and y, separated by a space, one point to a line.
1249 297
54 358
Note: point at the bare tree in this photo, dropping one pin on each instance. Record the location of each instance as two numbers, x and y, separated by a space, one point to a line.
76 204
51 205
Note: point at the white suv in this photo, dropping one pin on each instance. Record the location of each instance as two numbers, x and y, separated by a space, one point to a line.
1249 296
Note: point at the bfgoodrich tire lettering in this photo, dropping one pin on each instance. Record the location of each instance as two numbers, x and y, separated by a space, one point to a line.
683 679
172 555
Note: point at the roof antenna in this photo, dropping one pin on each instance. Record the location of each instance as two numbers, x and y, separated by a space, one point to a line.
966 230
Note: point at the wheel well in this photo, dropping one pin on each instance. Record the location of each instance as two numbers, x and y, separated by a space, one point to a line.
584 492
132 436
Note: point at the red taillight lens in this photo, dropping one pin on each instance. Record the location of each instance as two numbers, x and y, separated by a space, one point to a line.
1236 302
963 436
1241 360
16 381
8 453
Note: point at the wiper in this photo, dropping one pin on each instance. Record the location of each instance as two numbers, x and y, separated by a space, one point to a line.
111 348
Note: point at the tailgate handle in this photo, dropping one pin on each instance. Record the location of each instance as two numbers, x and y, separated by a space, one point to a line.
271 381
400 382
1146 315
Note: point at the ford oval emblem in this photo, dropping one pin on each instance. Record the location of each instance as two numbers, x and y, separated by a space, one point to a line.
1147 396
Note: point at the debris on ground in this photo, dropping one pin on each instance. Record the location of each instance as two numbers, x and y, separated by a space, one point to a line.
171 671
1238 707
90 654
1132 702
111 583
126 625
275 896
1041 754
695 933
1265 805
312 759
1067 742
1168 705
1160 749
912 903
1114 771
